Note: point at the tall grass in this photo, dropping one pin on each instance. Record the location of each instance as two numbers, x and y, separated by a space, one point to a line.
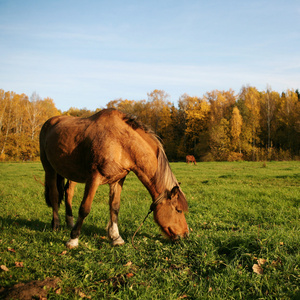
241 214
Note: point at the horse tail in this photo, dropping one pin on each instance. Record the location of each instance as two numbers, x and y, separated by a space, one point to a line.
60 184
60 181
47 197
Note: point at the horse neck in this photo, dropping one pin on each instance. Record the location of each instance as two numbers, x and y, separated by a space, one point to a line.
156 179
147 178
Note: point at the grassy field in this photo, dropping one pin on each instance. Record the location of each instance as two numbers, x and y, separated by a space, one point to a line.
244 242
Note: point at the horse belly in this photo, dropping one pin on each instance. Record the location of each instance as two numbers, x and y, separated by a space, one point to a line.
69 168
68 161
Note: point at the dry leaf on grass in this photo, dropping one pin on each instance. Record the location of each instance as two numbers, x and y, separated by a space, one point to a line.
257 269
129 275
4 268
128 264
261 261
19 264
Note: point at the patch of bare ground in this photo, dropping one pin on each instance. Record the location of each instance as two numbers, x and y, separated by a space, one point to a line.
31 290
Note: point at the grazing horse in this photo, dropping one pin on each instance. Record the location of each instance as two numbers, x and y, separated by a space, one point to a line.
103 149
191 158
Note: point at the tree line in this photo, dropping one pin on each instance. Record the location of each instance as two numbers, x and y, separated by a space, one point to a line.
220 126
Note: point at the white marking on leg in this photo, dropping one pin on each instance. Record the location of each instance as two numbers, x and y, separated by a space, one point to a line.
72 243
113 230
113 234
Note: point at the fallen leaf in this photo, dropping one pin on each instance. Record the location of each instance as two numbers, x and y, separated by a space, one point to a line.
129 275
19 264
128 264
210 289
4 268
261 261
64 252
257 269
11 250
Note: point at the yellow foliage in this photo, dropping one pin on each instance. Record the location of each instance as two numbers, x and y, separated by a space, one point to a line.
196 117
236 123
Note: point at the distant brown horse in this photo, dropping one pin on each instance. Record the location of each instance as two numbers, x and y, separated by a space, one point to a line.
191 158
103 149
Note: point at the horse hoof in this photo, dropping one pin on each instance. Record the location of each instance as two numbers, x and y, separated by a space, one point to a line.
72 243
118 242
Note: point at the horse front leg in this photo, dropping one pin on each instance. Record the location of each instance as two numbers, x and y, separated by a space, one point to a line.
114 206
85 208
69 193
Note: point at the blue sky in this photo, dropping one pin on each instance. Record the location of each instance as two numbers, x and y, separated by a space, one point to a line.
86 53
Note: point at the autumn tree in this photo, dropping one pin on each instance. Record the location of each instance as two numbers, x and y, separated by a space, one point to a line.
6 120
221 104
197 117
236 123
288 122
21 120
250 97
159 109
269 107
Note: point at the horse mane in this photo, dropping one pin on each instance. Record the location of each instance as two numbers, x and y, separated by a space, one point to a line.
164 177
135 124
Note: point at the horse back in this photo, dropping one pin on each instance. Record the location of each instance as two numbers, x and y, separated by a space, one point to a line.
103 143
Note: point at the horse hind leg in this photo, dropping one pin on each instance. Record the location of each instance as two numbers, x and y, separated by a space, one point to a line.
114 204
54 195
69 193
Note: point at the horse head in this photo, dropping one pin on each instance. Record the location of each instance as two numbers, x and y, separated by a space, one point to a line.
169 210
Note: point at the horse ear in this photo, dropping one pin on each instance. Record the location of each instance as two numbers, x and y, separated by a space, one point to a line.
174 191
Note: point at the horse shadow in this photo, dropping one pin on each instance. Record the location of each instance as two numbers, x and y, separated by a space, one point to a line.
40 226
34 224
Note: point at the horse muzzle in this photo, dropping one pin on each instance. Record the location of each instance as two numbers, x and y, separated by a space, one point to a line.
175 236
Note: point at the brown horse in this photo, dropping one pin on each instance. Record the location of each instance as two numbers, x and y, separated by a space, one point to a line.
191 158
103 149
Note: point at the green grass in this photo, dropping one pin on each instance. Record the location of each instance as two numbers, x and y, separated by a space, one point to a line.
238 213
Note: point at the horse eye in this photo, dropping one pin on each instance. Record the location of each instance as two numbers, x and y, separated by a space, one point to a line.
179 211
